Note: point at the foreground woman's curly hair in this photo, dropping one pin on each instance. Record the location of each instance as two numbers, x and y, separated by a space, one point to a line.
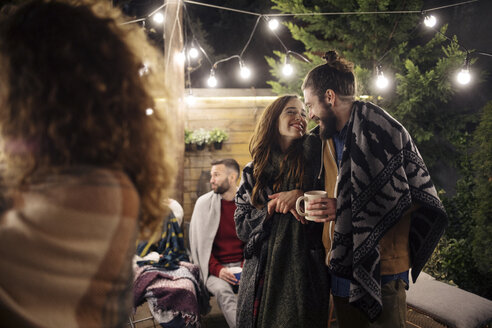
73 93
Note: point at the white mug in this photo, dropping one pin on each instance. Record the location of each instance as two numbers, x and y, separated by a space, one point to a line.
309 196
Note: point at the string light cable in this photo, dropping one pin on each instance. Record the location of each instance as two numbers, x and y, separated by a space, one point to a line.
287 70
194 39
270 19
176 22
245 72
463 77
145 17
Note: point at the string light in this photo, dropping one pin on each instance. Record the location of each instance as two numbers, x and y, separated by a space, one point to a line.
430 21
212 81
193 53
158 18
287 69
180 57
381 81
273 24
244 71
149 111
464 76
190 99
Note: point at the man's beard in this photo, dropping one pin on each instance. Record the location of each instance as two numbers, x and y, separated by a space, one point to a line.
329 122
222 188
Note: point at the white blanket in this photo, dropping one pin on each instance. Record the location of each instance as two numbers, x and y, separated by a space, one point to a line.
203 228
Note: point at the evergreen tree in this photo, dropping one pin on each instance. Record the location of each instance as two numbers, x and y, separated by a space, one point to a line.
463 256
422 97
482 213
423 64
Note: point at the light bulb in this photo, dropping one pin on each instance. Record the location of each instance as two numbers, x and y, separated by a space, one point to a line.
212 81
158 18
464 77
149 111
193 52
180 57
382 82
287 70
245 72
273 24
190 100
430 21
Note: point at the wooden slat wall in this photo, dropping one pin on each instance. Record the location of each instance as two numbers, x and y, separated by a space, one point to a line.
237 114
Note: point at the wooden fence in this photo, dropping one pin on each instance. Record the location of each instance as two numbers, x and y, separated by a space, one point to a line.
234 110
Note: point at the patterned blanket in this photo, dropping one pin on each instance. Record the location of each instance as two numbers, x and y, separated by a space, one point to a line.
170 246
172 295
382 176
167 281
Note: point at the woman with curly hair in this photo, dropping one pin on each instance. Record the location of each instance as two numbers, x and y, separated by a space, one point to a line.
284 282
83 169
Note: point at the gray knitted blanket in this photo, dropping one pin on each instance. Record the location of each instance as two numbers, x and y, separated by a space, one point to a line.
382 175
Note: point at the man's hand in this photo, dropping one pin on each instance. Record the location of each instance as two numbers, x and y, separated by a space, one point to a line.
228 276
323 208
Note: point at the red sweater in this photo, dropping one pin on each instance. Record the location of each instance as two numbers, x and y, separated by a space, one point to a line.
227 248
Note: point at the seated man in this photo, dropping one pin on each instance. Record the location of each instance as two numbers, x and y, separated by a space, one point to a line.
214 244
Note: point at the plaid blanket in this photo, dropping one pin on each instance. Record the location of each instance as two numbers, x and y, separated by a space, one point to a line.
172 295
167 281
66 248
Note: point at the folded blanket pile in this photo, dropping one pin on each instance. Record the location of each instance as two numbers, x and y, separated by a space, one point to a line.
172 295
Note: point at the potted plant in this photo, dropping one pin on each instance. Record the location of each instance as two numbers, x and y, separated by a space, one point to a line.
200 138
188 139
217 136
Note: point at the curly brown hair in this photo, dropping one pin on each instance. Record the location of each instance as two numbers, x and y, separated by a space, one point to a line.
72 95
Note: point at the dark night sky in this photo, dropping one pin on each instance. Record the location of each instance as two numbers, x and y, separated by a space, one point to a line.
227 32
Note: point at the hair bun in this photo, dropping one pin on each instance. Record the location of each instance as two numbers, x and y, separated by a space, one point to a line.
330 56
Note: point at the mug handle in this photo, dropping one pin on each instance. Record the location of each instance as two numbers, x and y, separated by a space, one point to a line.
298 206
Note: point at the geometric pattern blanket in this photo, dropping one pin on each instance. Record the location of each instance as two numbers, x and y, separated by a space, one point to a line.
170 247
173 295
381 176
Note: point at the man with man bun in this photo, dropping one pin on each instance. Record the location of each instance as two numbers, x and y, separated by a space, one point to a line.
388 218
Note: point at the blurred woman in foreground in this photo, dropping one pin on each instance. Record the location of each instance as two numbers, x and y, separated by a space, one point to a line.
84 167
